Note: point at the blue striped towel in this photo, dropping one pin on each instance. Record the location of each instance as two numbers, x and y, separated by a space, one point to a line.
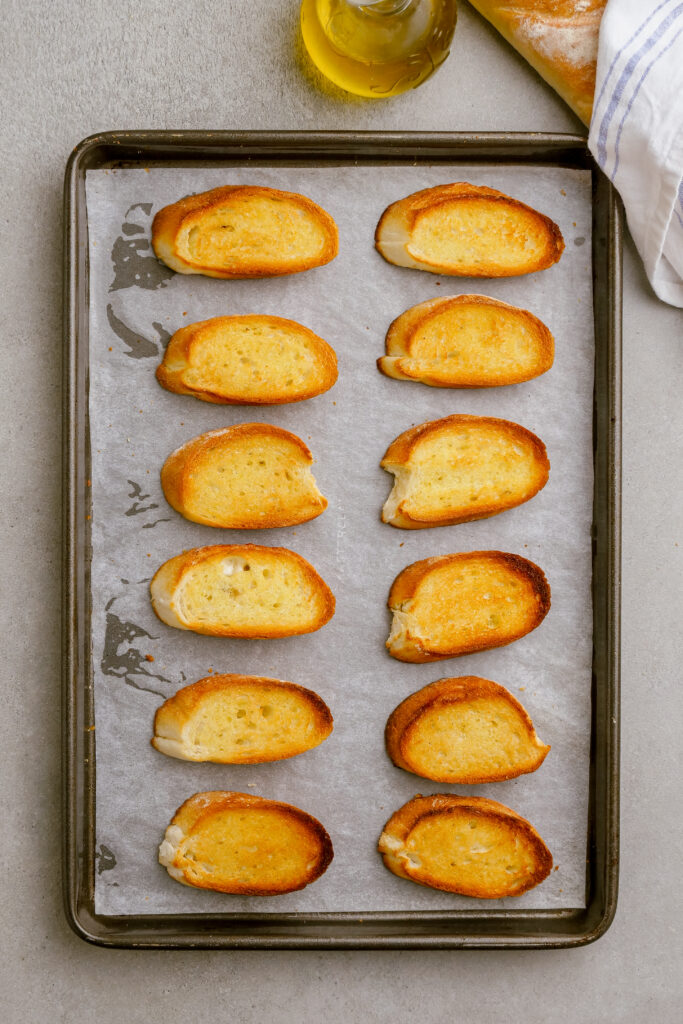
636 132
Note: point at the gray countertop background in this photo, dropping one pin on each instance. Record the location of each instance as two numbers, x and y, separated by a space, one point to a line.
70 69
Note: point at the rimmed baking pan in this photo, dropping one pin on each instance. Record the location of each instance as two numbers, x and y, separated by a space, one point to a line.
481 926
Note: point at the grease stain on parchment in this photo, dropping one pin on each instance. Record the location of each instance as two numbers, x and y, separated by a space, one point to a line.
135 264
121 659
105 858
138 346
137 507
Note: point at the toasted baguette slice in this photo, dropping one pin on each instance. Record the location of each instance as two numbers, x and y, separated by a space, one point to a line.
465 230
457 604
232 719
467 341
244 231
466 730
247 360
241 590
461 468
466 845
243 844
249 477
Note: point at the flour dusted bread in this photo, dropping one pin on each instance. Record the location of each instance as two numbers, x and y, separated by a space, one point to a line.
243 844
234 719
247 360
466 845
465 730
252 476
559 38
467 341
465 230
241 590
461 468
470 601
244 231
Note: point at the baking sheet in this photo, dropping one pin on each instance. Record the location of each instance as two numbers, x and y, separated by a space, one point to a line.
348 782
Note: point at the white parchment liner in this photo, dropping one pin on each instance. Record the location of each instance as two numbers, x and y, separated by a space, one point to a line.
348 782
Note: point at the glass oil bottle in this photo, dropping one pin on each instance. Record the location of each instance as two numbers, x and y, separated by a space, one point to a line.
378 48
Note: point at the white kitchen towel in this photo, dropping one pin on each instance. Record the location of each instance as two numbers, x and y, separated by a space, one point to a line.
636 132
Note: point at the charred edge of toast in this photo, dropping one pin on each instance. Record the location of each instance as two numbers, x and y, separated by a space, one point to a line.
535 575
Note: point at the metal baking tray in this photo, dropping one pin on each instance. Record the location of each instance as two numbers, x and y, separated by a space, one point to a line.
457 929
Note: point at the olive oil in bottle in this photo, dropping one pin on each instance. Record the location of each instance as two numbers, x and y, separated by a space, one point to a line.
378 48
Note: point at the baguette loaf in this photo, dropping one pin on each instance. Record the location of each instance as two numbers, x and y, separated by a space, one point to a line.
467 341
245 845
241 590
461 468
559 38
232 719
465 230
466 845
247 360
457 604
465 730
249 477
244 231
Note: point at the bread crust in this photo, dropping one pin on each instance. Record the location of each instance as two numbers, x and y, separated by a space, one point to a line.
182 464
198 810
404 719
172 717
559 39
403 332
408 643
169 576
400 452
397 832
171 372
397 225
173 224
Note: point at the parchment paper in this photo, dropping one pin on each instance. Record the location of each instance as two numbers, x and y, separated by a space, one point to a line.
348 782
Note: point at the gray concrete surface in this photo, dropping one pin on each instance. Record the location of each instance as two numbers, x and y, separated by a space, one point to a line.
71 68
